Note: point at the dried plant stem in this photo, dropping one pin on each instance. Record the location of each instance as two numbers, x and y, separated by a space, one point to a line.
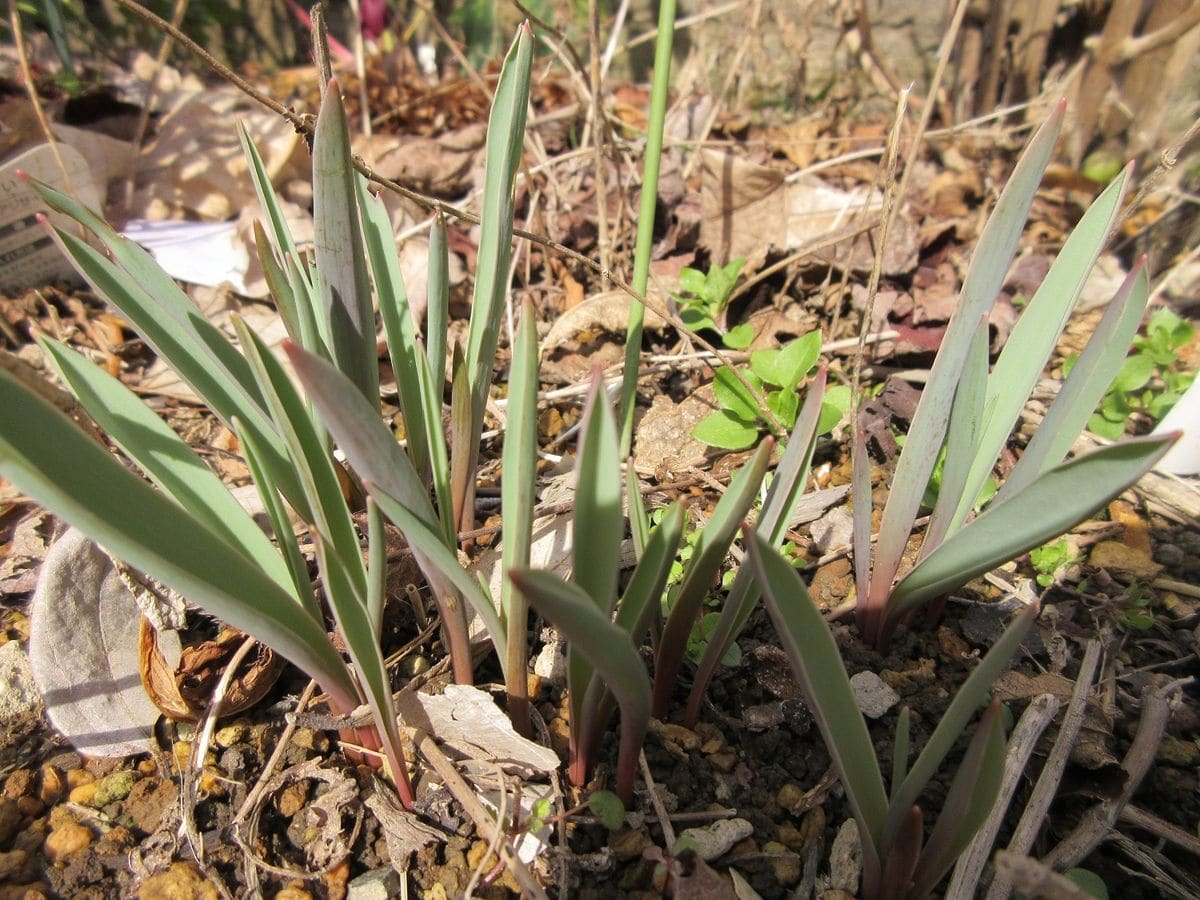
1099 820
944 52
735 67
599 133
890 196
410 711
164 51
272 762
14 20
1037 716
1047 784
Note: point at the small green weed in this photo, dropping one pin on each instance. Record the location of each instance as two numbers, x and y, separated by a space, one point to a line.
703 298
1150 380
1048 559
775 375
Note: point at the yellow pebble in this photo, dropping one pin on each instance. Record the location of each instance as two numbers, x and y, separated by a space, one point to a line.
85 794
67 839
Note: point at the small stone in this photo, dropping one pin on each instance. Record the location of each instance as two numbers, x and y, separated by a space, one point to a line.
560 735
479 853
293 893
915 674
951 645
212 782
723 762
20 784
117 841
682 737
784 863
36 890
181 751
1170 555
1177 752
627 844
336 879
845 858
789 797
180 882
113 788
378 884
76 777
231 734
53 784
10 820
30 807
292 799
310 739
873 696
16 866
791 837
831 583
85 794
68 838
812 826
712 745
715 840
551 662
1123 562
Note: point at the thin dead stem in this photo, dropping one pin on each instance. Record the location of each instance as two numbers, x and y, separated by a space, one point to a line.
14 19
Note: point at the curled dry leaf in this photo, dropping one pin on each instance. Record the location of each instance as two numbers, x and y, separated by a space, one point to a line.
184 692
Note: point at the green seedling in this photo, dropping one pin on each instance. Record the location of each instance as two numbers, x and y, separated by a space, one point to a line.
1150 380
775 377
1049 559
703 297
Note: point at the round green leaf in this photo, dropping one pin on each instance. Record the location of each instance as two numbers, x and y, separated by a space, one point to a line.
608 808
725 430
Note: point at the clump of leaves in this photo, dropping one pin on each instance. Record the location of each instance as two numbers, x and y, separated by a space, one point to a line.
1151 379
969 407
771 382
703 297
1048 559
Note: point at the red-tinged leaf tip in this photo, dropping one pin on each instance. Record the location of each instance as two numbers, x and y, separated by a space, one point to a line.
23 175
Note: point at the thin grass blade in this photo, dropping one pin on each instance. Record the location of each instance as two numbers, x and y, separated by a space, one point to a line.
506 137
698 577
788 485
284 243
901 747
281 525
331 517
517 497
972 793
1082 391
345 290
818 667
179 334
962 436
969 698
595 562
437 308
1052 505
168 461
589 631
277 284
406 354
